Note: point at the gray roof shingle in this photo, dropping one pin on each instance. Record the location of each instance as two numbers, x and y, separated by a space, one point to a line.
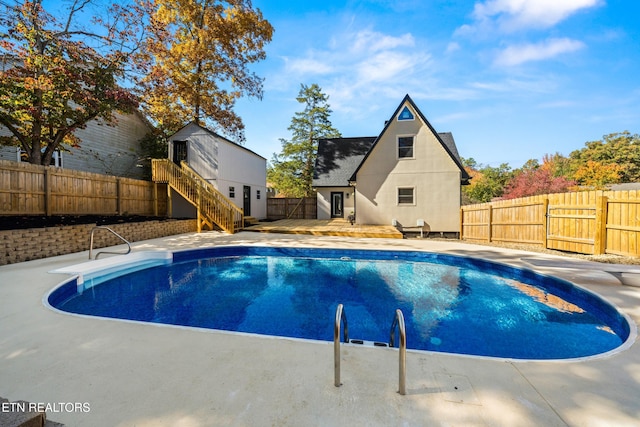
338 158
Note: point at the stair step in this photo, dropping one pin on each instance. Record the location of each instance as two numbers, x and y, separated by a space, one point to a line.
250 220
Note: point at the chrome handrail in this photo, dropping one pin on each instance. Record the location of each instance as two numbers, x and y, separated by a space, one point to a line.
398 321
340 317
107 252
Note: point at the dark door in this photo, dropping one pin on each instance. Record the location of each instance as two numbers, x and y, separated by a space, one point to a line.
179 152
337 210
247 200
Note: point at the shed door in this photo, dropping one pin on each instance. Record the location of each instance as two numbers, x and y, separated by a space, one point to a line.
179 151
336 205
246 191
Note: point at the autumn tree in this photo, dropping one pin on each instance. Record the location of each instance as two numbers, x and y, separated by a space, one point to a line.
60 72
557 164
598 175
291 172
536 180
486 183
616 153
199 52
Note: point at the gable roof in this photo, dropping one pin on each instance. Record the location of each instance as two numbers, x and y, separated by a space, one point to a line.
215 135
445 139
338 158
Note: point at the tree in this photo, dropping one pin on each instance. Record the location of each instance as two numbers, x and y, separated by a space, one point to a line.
56 76
534 181
292 172
487 182
153 146
557 164
621 149
199 52
597 174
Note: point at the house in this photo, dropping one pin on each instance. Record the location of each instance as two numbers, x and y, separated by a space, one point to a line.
409 175
112 149
235 171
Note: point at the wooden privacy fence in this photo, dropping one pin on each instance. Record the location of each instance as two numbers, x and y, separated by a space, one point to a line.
27 189
292 208
588 222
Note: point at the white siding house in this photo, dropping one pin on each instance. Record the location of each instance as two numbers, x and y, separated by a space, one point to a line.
107 149
237 172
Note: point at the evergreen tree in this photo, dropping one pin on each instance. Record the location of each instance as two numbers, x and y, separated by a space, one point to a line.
291 172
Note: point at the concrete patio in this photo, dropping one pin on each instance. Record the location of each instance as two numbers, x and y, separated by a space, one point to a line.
134 374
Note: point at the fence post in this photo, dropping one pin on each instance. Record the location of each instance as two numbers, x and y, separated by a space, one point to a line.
490 225
155 198
47 192
118 196
545 221
461 223
600 238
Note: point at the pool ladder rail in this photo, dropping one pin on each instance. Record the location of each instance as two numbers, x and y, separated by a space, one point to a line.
102 227
398 322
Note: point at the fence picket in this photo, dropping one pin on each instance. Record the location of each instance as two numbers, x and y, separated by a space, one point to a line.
584 222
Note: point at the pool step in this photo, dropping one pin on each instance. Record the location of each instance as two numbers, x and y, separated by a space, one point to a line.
368 343
18 414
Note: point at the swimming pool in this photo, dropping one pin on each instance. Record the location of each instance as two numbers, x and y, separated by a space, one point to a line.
450 304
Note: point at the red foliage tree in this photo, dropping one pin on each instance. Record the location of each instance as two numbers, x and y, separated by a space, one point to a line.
531 182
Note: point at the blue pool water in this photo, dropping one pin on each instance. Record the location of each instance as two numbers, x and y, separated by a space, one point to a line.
450 304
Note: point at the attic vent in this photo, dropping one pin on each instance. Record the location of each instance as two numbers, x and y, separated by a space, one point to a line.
405 114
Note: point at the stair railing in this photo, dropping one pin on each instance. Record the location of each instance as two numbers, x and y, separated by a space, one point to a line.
398 320
341 317
102 227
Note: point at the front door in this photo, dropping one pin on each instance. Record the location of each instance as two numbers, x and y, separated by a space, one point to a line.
246 191
337 210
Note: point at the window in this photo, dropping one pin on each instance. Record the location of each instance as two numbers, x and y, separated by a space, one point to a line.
405 114
232 192
405 147
56 158
258 194
405 196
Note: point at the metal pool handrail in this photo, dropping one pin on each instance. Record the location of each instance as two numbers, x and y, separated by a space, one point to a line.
107 252
340 317
398 321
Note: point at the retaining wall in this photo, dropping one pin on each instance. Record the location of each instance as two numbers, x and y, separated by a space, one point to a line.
37 243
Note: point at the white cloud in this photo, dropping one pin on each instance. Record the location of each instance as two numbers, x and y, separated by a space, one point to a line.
363 66
514 15
307 66
519 54
371 41
453 47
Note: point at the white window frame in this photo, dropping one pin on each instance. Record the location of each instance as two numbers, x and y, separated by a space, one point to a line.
413 196
413 147
56 158
413 114
232 192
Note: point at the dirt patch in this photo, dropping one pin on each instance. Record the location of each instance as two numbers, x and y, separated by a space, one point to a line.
24 222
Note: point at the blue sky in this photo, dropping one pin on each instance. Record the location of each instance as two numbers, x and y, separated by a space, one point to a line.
511 79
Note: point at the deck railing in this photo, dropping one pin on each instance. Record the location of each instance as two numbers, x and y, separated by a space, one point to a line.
213 207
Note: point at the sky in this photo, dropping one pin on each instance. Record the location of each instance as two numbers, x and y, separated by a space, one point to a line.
513 80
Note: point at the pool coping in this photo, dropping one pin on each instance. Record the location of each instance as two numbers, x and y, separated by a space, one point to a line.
147 259
144 375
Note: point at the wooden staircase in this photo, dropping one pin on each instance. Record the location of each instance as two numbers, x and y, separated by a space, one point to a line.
212 206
